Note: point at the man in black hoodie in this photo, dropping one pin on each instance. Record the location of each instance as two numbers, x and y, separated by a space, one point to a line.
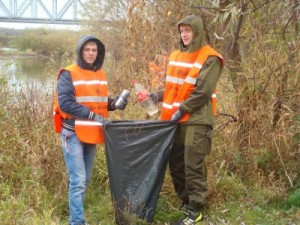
81 106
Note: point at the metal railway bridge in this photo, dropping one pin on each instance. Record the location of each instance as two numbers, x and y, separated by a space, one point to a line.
42 11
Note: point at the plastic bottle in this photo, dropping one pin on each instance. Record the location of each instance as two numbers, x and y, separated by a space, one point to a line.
144 99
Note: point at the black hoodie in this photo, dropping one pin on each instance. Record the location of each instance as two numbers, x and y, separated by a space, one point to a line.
97 65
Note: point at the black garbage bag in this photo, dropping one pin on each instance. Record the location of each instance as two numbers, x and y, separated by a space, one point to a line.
137 155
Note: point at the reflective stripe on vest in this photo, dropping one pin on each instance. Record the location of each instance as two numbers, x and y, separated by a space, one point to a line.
214 103
91 99
80 82
182 73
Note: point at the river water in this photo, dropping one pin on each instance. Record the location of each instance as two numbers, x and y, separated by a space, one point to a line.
23 73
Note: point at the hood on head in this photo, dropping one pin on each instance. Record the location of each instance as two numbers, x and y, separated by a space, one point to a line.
100 57
199 39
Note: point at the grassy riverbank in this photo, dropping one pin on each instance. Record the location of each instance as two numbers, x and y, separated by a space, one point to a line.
33 187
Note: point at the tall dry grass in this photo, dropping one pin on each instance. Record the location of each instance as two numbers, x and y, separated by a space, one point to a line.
257 135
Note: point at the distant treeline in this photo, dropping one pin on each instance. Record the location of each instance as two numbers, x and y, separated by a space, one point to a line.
40 41
6 34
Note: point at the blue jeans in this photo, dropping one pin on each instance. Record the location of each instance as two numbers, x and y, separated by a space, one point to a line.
79 158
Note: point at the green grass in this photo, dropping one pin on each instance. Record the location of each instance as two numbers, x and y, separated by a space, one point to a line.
34 183
240 205
294 198
230 200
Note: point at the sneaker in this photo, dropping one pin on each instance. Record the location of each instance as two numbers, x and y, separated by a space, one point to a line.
192 219
186 209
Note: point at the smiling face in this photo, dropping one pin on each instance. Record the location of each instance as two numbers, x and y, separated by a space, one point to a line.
90 52
186 34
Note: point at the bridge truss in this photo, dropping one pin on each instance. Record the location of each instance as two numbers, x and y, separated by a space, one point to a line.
41 11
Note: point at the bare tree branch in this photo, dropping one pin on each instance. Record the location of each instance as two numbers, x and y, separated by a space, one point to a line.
199 7
233 51
261 5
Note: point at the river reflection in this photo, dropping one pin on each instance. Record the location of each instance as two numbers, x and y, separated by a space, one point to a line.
24 72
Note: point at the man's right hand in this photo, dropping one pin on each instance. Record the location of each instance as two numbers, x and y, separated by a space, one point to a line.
123 104
177 115
101 119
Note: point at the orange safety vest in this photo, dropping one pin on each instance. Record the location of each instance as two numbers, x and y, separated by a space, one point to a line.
182 73
91 91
